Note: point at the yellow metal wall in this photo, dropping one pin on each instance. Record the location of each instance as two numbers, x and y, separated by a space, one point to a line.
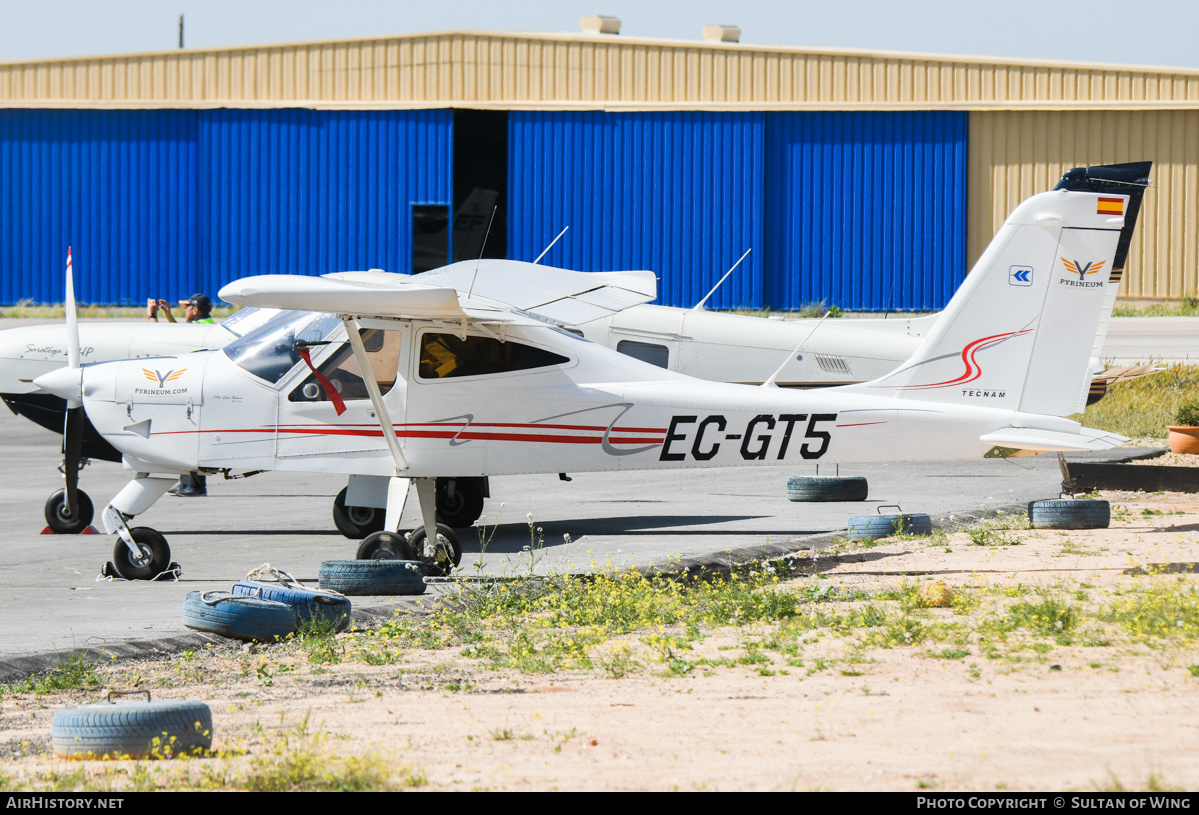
1016 154
564 70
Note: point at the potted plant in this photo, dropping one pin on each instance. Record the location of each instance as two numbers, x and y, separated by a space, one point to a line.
1184 436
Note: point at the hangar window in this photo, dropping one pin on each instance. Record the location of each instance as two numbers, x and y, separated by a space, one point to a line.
646 352
445 356
342 371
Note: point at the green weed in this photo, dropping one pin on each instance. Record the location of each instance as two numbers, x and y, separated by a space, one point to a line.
998 531
1144 407
72 673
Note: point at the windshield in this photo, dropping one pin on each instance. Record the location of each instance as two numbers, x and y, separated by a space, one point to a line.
269 351
245 320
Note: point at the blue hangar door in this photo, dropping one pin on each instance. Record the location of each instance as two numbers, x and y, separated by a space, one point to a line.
866 211
166 203
678 193
863 211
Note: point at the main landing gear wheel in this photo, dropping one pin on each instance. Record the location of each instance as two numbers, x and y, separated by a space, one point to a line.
462 506
447 553
62 521
385 546
154 559
356 522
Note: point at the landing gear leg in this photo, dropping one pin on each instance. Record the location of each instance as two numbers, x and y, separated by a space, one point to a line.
441 550
141 553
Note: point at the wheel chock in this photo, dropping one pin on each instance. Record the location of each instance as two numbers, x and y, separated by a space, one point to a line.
91 530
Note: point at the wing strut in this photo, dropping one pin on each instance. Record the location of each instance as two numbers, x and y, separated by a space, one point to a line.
769 383
372 388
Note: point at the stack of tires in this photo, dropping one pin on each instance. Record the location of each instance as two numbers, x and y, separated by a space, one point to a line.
264 612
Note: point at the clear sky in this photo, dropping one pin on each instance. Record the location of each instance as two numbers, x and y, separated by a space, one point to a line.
1144 32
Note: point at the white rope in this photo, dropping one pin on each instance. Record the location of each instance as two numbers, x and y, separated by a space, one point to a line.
285 580
278 575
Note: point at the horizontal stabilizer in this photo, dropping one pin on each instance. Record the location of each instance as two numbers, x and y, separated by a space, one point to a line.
1046 441
1114 376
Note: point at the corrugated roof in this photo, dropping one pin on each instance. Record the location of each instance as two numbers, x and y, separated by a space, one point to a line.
584 71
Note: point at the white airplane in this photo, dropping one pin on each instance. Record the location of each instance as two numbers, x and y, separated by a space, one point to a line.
703 344
435 382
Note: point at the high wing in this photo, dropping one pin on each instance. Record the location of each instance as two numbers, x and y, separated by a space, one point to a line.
399 299
499 291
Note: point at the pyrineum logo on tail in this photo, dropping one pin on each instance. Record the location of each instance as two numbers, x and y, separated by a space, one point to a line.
1082 270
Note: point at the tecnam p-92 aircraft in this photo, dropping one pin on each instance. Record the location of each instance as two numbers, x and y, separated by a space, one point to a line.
436 382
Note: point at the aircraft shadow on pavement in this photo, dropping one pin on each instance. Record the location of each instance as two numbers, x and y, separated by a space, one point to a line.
1179 528
830 563
172 533
509 538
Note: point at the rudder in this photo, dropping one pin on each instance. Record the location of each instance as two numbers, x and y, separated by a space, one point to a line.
1020 331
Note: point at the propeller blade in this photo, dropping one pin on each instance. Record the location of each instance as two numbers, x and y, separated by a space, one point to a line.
72 432
72 318
72 453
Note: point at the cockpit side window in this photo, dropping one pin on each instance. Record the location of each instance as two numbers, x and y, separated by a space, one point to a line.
342 371
445 356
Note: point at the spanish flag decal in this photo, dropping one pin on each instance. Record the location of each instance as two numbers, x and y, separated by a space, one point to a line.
1111 206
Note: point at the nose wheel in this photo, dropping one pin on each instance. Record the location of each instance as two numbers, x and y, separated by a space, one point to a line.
441 556
60 518
152 558
384 545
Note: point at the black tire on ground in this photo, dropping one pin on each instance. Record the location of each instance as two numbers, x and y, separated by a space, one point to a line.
156 555
385 546
821 488
1069 513
240 618
163 729
309 606
356 522
871 527
464 507
64 524
448 551
374 577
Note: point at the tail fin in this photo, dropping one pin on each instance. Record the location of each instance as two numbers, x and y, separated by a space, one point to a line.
1020 331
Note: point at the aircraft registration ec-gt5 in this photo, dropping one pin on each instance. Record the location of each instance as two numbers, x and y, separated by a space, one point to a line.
434 382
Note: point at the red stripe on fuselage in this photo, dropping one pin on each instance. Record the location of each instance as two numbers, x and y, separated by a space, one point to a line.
449 432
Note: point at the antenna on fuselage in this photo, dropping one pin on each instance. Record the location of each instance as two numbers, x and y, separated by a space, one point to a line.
481 250
700 305
551 246
769 383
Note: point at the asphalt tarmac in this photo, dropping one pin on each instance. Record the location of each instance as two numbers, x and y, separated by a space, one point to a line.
53 600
